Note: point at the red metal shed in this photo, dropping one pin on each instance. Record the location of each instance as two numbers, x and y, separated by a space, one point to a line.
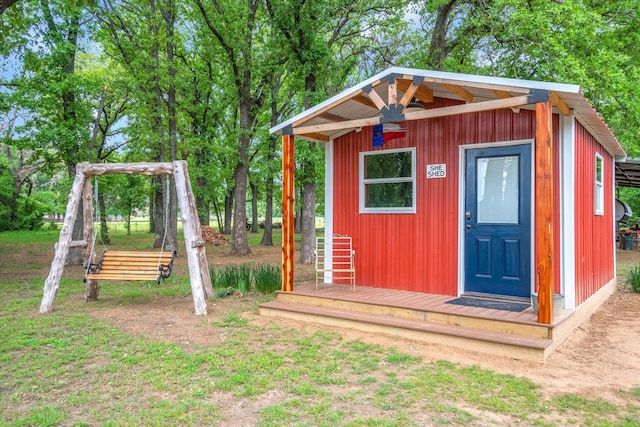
454 184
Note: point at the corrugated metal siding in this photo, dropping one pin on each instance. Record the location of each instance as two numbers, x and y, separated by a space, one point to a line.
418 252
594 233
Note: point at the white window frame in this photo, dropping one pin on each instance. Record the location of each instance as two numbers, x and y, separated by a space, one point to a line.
598 185
363 182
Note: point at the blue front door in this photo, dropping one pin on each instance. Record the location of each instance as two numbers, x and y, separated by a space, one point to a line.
498 221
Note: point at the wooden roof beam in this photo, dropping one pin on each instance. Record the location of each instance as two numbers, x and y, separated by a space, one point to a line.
316 136
331 117
409 91
375 98
422 92
502 94
495 104
392 93
560 104
460 91
364 100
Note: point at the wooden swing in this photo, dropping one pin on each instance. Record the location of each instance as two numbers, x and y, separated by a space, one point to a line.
131 266
126 265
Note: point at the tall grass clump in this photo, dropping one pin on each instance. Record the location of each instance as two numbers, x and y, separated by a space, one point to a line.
244 278
267 278
633 278
236 277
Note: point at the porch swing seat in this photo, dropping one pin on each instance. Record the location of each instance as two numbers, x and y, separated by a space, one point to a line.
131 266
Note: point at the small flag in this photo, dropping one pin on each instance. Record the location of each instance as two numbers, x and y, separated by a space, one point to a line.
378 136
386 132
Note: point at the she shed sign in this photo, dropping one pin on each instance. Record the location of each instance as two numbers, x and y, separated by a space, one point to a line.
437 171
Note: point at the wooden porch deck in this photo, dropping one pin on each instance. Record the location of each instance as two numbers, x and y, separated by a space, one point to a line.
422 317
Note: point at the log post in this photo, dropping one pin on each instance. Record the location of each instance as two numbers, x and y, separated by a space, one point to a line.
544 211
52 283
192 233
198 243
288 226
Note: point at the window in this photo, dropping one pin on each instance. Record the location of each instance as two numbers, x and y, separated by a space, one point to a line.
599 185
497 190
388 181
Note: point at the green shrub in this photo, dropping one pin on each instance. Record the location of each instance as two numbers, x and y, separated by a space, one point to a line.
633 278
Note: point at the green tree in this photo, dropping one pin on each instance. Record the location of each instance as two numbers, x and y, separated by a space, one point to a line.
241 32
321 37
45 86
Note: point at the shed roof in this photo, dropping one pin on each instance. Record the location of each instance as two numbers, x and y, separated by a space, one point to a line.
628 173
383 97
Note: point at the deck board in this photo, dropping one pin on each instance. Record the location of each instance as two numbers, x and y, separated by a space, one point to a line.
412 300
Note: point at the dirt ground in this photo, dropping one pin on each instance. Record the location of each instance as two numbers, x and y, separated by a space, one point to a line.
598 359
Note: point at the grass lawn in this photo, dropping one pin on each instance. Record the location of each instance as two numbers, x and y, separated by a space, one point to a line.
121 361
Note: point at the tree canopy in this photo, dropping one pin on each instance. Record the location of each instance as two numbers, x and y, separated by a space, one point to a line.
202 81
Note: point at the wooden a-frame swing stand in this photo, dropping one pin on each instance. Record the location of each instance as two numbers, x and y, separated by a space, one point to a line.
81 190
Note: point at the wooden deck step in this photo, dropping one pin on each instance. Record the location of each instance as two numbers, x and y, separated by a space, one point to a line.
504 344
434 312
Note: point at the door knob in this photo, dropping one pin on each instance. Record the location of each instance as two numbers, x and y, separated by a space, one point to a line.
467 215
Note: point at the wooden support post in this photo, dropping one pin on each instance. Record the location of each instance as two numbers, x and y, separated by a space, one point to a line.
198 269
52 283
544 211
288 227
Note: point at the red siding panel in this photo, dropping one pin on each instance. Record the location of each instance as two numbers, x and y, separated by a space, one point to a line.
419 252
594 233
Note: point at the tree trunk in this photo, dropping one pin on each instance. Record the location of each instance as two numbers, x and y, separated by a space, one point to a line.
308 192
202 203
228 211
267 236
152 207
158 212
297 219
308 223
171 243
219 218
239 243
104 230
75 256
254 207
438 49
